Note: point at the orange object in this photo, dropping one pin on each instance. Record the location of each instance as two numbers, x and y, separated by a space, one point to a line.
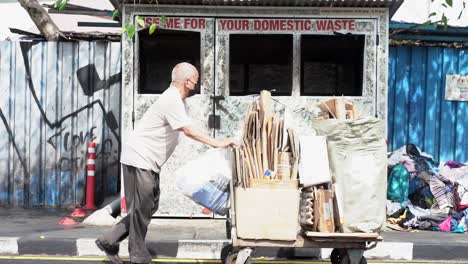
67 221
78 212
90 179
206 211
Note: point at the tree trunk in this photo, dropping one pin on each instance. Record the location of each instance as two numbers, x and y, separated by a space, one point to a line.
41 18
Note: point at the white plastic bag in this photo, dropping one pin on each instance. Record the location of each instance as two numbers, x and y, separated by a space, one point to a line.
358 162
206 179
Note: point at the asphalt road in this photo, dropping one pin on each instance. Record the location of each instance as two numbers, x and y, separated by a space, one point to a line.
97 260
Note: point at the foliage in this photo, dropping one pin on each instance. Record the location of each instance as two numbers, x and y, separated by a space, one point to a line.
130 29
443 21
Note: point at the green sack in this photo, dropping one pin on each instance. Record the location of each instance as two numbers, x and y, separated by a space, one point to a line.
398 184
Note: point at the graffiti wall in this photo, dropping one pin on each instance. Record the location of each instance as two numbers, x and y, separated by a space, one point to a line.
55 98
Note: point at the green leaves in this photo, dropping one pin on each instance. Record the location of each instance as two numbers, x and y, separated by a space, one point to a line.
162 20
444 21
461 12
152 28
131 29
60 4
140 21
115 14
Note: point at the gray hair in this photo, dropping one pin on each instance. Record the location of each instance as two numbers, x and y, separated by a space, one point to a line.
183 71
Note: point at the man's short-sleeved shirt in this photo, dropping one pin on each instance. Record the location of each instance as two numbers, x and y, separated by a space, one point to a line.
156 134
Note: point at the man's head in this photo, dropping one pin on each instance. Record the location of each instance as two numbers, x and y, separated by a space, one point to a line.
185 77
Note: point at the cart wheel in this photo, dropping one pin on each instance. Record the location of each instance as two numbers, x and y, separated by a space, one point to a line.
225 252
228 228
231 259
345 260
336 255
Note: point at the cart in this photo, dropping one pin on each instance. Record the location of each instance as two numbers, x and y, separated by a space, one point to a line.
348 248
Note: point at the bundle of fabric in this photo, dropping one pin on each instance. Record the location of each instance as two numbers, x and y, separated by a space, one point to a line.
426 194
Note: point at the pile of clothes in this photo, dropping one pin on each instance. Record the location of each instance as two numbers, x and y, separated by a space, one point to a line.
422 195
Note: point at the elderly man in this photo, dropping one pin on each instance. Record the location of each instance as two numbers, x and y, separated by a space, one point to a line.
148 147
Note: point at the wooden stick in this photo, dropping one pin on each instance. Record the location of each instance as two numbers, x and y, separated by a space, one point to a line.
264 148
253 159
328 108
259 159
249 158
340 108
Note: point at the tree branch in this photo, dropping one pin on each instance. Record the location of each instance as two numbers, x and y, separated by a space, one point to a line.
116 4
41 18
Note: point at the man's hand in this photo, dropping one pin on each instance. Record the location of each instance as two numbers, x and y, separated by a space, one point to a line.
229 142
199 136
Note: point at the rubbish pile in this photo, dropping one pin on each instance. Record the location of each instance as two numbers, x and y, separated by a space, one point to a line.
422 196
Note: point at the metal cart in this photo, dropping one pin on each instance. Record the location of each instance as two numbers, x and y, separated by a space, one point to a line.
348 248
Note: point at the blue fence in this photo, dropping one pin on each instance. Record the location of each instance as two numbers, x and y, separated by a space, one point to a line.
418 112
55 98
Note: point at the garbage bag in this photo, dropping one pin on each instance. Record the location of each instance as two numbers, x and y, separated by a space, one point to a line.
206 179
358 162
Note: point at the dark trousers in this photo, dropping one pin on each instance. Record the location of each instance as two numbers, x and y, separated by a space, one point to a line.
142 197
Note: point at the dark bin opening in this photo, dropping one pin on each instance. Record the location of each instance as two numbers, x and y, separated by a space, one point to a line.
160 52
260 62
332 65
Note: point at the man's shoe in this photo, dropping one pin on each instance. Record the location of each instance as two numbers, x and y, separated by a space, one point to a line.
111 253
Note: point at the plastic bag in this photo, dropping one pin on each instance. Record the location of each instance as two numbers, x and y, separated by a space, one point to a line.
206 179
358 161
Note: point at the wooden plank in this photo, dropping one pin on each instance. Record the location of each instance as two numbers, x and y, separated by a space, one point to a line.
265 112
310 234
300 242
251 161
258 150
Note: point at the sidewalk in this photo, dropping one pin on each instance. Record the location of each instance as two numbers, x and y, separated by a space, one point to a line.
36 232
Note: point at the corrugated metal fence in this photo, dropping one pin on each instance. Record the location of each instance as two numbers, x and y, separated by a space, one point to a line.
55 98
418 111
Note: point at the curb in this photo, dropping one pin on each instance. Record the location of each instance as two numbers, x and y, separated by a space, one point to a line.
211 249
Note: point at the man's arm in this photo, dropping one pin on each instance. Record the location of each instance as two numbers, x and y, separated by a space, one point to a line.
199 136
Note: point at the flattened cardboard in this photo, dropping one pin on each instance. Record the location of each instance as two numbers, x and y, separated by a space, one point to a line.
267 213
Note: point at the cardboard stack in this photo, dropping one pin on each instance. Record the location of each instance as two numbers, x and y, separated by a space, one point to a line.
317 209
266 191
270 152
336 108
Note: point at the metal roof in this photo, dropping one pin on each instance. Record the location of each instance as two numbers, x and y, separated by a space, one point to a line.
311 3
393 5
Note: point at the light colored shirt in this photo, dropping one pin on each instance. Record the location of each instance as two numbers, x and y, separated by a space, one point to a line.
155 136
